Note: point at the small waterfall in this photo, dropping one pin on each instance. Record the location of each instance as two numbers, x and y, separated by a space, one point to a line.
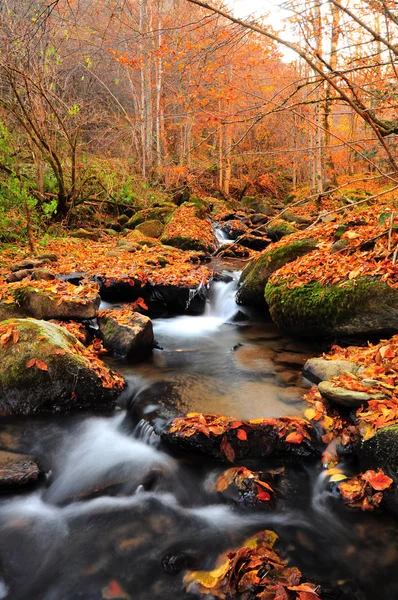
220 308
221 237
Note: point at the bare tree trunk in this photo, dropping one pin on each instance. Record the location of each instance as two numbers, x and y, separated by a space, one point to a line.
146 91
159 86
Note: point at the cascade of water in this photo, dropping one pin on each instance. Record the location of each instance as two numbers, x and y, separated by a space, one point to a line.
220 308
221 237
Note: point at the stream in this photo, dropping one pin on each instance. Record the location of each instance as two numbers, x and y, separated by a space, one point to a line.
120 516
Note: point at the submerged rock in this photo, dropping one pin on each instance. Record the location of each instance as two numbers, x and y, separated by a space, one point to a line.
126 334
17 470
255 276
321 369
45 369
363 306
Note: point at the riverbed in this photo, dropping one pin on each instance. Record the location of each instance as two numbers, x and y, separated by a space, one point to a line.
120 516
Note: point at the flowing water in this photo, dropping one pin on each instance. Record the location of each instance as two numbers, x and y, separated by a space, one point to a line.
120 516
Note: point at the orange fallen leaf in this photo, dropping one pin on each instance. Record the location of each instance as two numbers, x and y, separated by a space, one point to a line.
379 481
294 438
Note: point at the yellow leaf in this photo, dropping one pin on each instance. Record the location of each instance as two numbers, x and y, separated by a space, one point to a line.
310 413
208 579
338 477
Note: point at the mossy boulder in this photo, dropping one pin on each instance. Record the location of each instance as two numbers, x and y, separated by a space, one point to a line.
137 238
255 276
189 230
358 307
157 213
127 335
65 378
85 234
151 228
381 452
277 229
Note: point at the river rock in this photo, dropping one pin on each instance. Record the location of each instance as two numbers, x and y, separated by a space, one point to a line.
320 369
232 251
41 304
30 263
189 229
151 228
381 452
363 306
233 229
17 470
157 213
277 229
343 397
64 378
253 242
129 336
262 441
18 275
84 234
255 276
42 275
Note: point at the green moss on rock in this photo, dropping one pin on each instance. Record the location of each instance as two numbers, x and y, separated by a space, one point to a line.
278 229
255 276
358 307
67 382
151 228
158 213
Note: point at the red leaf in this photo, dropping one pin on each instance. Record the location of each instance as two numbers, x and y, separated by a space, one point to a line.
227 449
379 481
264 496
235 424
241 433
31 363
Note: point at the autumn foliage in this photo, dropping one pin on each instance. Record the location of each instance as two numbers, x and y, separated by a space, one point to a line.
254 571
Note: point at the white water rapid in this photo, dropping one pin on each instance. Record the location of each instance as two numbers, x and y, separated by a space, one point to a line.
220 308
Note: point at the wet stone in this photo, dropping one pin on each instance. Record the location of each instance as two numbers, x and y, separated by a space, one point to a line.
17 470
320 369
350 398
